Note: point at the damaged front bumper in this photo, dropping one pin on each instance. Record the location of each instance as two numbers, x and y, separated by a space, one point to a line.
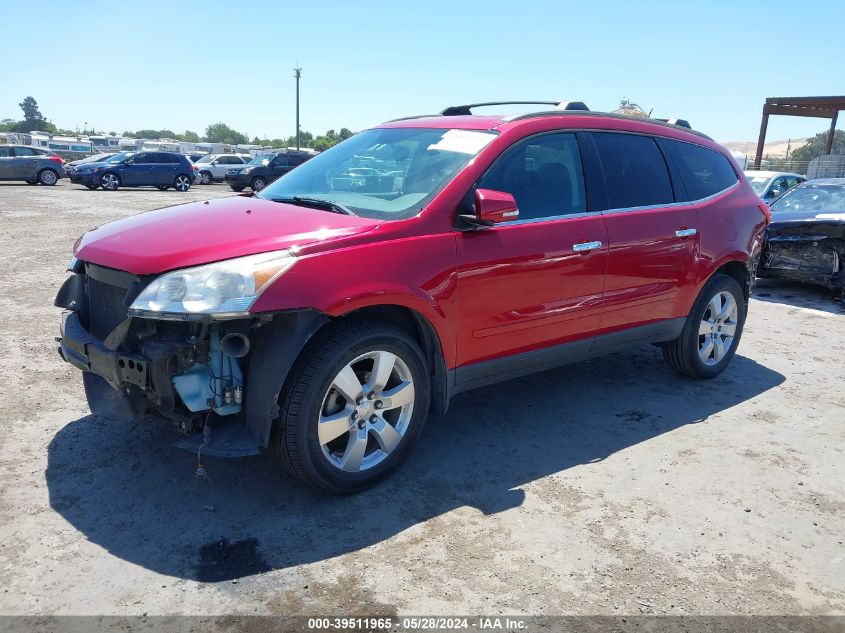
198 373
809 252
179 377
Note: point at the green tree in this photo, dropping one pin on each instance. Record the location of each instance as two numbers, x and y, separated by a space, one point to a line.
30 110
222 133
345 133
191 137
155 134
815 147
32 118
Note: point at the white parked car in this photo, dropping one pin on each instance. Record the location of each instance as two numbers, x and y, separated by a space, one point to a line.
212 167
771 185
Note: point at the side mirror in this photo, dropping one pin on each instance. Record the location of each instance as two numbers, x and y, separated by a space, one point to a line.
492 207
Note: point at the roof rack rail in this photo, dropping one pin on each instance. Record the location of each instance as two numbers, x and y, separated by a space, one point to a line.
678 122
463 110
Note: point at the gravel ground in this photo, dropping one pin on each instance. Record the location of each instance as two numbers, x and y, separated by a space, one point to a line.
609 487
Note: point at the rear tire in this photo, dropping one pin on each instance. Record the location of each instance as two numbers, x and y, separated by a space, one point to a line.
48 177
367 437
712 332
182 183
206 178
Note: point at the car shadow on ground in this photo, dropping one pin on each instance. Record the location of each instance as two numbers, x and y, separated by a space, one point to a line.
127 489
799 295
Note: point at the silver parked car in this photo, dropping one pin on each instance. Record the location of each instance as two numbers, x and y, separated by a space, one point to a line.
213 166
771 185
33 165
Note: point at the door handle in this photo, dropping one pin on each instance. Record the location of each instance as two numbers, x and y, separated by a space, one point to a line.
685 232
583 247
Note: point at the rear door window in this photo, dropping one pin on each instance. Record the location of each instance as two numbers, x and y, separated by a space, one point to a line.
703 171
4 152
635 172
24 151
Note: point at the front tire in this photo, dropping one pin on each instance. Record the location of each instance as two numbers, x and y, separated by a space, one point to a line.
182 183
258 183
236 188
110 181
711 334
353 406
48 177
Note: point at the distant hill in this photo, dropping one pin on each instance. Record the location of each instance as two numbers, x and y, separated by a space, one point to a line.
772 149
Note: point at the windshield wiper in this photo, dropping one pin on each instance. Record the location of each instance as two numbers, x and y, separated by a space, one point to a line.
316 203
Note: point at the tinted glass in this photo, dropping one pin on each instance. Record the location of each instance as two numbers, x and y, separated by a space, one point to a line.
25 151
173 159
280 161
703 171
543 174
4 152
144 159
634 170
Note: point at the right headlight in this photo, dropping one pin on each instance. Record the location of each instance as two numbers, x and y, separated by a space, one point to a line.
221 289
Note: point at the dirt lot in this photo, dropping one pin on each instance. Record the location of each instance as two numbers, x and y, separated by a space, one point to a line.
608 487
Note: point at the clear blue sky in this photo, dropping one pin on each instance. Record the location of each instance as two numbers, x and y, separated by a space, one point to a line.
185 64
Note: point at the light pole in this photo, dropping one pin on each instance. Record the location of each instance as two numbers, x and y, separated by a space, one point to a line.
297 74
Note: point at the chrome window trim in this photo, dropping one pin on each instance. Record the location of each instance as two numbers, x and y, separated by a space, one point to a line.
549 218
685 203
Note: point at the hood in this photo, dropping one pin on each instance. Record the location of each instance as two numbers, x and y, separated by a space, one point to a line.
202 232
90 166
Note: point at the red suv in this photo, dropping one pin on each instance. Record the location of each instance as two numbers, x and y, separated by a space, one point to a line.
329 314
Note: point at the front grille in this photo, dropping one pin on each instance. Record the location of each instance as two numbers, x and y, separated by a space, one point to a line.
106 308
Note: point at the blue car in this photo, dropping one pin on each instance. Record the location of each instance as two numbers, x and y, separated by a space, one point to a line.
137 169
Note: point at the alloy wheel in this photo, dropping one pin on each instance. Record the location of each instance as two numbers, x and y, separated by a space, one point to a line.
205 178
182 183
48 177
717 329
110 182
366 411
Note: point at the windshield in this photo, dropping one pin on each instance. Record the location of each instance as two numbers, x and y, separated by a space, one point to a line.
261 160
383 173
119 157
758 183
96 158
812 197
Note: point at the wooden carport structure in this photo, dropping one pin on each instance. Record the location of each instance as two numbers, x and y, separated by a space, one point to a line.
821 107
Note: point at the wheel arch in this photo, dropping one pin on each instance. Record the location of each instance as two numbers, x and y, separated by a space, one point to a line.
280 341
742 271
424 333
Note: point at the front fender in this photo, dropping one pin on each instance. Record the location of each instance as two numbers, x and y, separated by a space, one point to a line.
417 273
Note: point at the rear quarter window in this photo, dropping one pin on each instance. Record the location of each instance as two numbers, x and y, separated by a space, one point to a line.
703 171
